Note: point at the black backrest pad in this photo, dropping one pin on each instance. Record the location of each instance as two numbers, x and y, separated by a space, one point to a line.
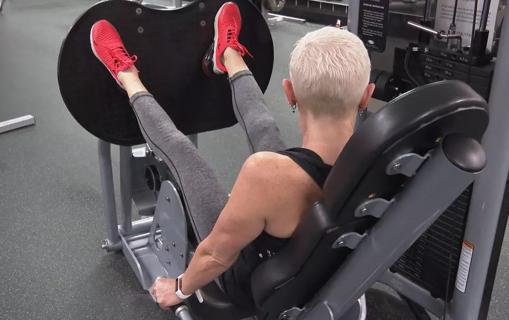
170 45
414 122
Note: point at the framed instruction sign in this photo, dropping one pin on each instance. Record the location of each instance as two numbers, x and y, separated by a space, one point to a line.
373 18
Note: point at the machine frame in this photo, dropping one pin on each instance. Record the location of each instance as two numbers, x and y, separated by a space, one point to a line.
486 211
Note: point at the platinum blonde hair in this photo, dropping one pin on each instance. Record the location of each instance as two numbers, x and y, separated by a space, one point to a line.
329 70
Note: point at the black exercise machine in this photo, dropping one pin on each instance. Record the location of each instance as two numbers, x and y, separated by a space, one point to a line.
436 55
435 264
398 174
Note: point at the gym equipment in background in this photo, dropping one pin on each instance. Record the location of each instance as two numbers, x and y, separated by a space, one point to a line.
436 55
270 8
16 123
326 12
274 5
452 265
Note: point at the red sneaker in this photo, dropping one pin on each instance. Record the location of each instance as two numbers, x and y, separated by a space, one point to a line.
227 27
109 49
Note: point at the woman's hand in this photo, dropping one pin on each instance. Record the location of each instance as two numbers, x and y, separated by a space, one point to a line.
163 291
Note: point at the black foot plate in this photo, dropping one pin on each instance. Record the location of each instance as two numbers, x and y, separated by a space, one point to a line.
170 45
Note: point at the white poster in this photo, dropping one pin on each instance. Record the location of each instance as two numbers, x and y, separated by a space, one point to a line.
464 18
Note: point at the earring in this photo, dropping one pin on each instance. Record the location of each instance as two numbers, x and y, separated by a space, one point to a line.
363 114
294 107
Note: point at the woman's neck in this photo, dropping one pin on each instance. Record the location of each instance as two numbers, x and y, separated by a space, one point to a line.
327 137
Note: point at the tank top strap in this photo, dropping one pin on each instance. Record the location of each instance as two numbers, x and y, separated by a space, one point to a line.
310 162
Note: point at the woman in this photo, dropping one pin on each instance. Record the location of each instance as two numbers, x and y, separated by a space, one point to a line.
328 85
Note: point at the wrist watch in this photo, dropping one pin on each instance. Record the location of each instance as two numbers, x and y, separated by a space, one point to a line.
178 286
181 295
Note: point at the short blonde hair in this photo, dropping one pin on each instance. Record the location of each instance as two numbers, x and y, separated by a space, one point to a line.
329 70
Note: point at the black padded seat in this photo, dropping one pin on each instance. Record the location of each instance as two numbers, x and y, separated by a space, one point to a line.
414 122
217 305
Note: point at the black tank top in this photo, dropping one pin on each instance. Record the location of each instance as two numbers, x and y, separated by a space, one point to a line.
236 281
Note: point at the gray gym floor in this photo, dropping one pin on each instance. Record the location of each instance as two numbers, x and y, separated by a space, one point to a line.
51 264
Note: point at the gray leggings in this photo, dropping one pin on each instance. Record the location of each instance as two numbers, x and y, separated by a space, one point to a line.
203 195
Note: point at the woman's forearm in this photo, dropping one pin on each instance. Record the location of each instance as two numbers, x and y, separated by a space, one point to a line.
203 268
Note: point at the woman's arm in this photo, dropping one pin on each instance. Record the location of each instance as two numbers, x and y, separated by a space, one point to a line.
254 196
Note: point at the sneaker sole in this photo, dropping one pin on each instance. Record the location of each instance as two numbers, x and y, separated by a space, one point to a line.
97 56
214 66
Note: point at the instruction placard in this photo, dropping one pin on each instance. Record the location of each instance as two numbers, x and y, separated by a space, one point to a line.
373 18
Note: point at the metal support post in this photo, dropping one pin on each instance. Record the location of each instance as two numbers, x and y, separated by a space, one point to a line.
488 192
353 16
126 188
108 191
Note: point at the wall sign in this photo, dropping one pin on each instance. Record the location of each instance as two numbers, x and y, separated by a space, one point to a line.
373 18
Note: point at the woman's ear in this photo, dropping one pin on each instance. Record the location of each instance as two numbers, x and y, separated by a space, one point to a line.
366 96
290 94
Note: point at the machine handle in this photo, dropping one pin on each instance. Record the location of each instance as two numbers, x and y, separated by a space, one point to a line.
437 34
423 28
182 312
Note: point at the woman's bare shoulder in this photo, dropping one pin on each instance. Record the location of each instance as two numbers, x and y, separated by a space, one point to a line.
272 167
